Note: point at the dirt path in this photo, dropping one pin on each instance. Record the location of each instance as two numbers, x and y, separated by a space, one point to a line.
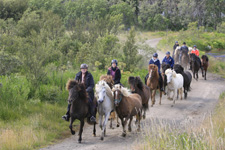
201 100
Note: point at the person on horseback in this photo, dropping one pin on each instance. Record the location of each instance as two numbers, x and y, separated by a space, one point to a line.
114 71
196 52
183 48
168 59
85 77
174 47
156 62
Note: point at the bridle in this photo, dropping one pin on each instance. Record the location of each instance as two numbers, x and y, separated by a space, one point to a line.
119 100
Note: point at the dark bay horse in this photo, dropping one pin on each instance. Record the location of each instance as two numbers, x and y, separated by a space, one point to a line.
195 65
153 82
127 105
187 78
78 97
164 67
138 87
205 64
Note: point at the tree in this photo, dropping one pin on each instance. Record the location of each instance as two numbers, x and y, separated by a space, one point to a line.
131 56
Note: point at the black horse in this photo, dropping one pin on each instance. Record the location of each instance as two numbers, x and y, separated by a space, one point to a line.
187 78
78 97
164 67
195 65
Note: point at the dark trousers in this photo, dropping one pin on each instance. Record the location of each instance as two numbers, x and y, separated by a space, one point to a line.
160 80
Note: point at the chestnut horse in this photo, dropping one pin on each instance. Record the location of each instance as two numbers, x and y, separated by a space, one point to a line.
138 87
127 106
109 80
78 98
205 64
153 82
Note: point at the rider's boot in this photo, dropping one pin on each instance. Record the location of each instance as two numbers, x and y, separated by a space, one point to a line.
92 112
67 116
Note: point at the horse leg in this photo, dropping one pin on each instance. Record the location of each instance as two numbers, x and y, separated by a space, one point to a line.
112 116
71 125
129 125
104 125
197 76
205 73
178 94
81 130
174 92
117 120
181 93
202 73
94 130
124 127
144 114
160 95
100 120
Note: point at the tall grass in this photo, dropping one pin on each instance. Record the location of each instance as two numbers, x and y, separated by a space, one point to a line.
162 135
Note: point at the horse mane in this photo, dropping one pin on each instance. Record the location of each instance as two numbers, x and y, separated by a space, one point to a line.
70 84
108 79
178 68
102 84
125 91
136 81
170 71
205 57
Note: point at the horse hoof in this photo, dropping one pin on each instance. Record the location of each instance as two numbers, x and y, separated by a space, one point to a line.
129 130
124 135
79 141
102 138
72 132
171 105
143 116
94 135
117 125
159 103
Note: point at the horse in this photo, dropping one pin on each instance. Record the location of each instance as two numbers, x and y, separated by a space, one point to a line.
205 64
195 65
187 78
78 98
127 106
105 104
175 83
184 60
138 87
109 80
153 82
164 67
176 54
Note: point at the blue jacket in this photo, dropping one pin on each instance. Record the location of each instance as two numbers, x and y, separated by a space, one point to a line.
89 83
157 63
169 61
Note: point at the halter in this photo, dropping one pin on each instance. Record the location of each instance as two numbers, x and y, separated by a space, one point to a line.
119 100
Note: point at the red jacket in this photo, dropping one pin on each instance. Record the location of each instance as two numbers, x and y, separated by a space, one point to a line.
196 52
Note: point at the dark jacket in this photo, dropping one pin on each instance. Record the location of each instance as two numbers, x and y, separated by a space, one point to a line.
157 63
175 46
184 48
117 75
169 61
89 83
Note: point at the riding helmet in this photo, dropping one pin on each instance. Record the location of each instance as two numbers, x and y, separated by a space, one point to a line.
114 61
83 66
176 42
195 46
184 43
155 55
168 53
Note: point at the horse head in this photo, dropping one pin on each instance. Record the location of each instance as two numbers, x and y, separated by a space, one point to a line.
165 66
76 91
178 68
192 57
170 74
152 70
118 96
135 83
108 79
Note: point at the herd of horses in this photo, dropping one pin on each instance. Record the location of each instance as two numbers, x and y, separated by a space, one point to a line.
118 102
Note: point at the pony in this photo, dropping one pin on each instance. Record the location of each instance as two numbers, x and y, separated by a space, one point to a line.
205 64
138 87
105 104
164 67
195 65
109 80
78 98
187 78
127 106
184 60
175 83
176 54
153 82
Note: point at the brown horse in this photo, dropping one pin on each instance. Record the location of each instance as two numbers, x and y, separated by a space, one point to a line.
205 64
78 97
153 82
109 80
127 106
138 87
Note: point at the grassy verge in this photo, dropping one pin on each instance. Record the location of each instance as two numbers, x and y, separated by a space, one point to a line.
210 135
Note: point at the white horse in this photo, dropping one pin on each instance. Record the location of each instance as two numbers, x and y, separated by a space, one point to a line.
174 84
105 101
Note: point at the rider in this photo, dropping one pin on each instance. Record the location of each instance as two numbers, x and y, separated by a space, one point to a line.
156 62
183 48
168 59
196 52
85 77
114 71
174 47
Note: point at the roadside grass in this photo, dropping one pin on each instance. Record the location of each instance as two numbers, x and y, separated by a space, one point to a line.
168 136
